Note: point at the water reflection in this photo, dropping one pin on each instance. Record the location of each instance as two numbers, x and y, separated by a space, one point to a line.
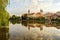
34 30
32 24
4 33
38 24
4 30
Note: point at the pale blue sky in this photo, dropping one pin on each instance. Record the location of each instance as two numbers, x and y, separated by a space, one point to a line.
19 7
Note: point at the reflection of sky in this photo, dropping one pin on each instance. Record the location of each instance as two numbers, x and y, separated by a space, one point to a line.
19 32
20 6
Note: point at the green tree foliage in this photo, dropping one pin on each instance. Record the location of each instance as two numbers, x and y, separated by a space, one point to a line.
15 19
4 15
24 17
3 3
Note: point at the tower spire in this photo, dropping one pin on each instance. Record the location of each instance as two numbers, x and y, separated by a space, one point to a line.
41 10
28 11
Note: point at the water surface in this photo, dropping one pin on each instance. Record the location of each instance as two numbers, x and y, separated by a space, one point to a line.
33 31
30 31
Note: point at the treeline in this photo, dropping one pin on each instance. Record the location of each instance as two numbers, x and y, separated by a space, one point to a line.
39 19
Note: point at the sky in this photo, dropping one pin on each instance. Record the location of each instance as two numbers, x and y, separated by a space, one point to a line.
18 7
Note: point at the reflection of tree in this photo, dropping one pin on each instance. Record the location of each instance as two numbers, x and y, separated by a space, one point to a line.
24 23
15 22
4 33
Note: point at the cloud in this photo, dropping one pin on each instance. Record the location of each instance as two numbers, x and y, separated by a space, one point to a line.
17 0
43 4
40 0
33 5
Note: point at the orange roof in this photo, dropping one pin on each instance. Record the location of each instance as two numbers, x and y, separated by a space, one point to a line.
38 13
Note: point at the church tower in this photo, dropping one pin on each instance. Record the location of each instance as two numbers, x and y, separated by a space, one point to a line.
41 10
28 11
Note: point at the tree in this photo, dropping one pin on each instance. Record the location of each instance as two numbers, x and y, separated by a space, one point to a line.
24 17
4 15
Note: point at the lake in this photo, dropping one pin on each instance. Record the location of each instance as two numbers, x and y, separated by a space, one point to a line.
30 31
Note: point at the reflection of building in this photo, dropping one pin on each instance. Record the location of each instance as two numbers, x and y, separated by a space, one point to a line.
53 25
34 25
41 28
